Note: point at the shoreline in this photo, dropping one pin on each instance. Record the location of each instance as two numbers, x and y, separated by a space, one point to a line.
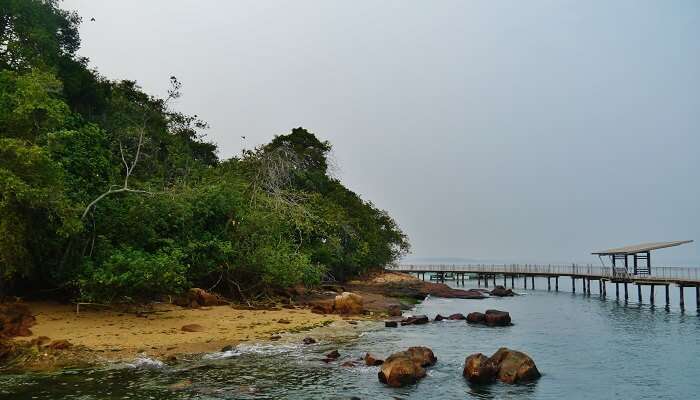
165 332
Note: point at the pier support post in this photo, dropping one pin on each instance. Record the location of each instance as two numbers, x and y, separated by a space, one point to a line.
668 303
626 296
682 299
639 293
549 283
605 290
697 297
556 283
504 281
533 283
478 280
651 296
525 282
600 287
512 281
617 290
494 280
486 281
573 284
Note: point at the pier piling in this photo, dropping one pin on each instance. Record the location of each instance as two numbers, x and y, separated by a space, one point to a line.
549 284
682 299
556 283
573 284
651 296
626 296
639 293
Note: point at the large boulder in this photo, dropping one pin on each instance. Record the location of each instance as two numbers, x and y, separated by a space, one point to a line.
15 320
406 367
514 366
415 320
457 317
497 318
480 369
348 303
505 365
501 291
476 318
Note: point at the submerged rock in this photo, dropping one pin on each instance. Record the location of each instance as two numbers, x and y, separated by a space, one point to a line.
391 324
309 340
505 365
333 355
415 320
514 366
480 369
372 360
497 318
439 318
476 318
501 291
406 367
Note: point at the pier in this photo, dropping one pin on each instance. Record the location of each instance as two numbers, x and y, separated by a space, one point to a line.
622 274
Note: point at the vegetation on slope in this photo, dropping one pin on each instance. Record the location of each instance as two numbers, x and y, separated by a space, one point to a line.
108 194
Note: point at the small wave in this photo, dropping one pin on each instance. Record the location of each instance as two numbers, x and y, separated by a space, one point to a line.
143 361
263 349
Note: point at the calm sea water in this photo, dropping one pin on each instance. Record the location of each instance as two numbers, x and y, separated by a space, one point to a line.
586 348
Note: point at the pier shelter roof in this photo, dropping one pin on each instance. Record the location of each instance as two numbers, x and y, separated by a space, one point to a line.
640 248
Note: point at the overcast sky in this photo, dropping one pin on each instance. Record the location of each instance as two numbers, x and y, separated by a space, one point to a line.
515 131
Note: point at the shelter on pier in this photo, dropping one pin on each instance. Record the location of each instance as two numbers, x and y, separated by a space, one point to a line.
638 252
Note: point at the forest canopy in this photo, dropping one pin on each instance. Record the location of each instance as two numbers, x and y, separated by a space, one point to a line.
109 194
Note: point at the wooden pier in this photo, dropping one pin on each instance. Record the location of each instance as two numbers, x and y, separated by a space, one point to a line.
580 275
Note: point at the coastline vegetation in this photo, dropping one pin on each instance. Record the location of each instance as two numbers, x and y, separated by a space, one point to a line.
108 194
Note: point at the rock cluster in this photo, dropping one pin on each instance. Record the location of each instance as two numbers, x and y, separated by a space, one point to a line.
415 320
505 365
197 297
406 367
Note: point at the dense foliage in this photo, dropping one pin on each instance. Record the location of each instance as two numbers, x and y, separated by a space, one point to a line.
107 194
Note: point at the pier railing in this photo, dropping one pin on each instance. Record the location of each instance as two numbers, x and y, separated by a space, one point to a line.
657 273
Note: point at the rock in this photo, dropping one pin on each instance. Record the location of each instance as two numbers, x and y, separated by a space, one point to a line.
514 366
227 348
7 349
309 340
506 365
476 318
415 320
333 355
283 321
372 360
15 320
348 303
275 337
322 306
391 324
439 318
457 317
406 367
59 345
501 291
196 297
192 328
497 318
480 369
352 322
40 341
394 310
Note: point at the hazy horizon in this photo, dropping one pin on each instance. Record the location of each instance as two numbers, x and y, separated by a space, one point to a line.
508 132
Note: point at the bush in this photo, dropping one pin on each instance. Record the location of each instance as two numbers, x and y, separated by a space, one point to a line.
130 274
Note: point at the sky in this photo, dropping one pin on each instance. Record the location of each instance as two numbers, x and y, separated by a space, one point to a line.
493 131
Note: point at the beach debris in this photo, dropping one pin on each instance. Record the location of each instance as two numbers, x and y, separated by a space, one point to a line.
192 328
505 365
371 360
406 367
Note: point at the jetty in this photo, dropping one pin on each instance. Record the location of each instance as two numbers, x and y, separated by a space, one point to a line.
630 266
